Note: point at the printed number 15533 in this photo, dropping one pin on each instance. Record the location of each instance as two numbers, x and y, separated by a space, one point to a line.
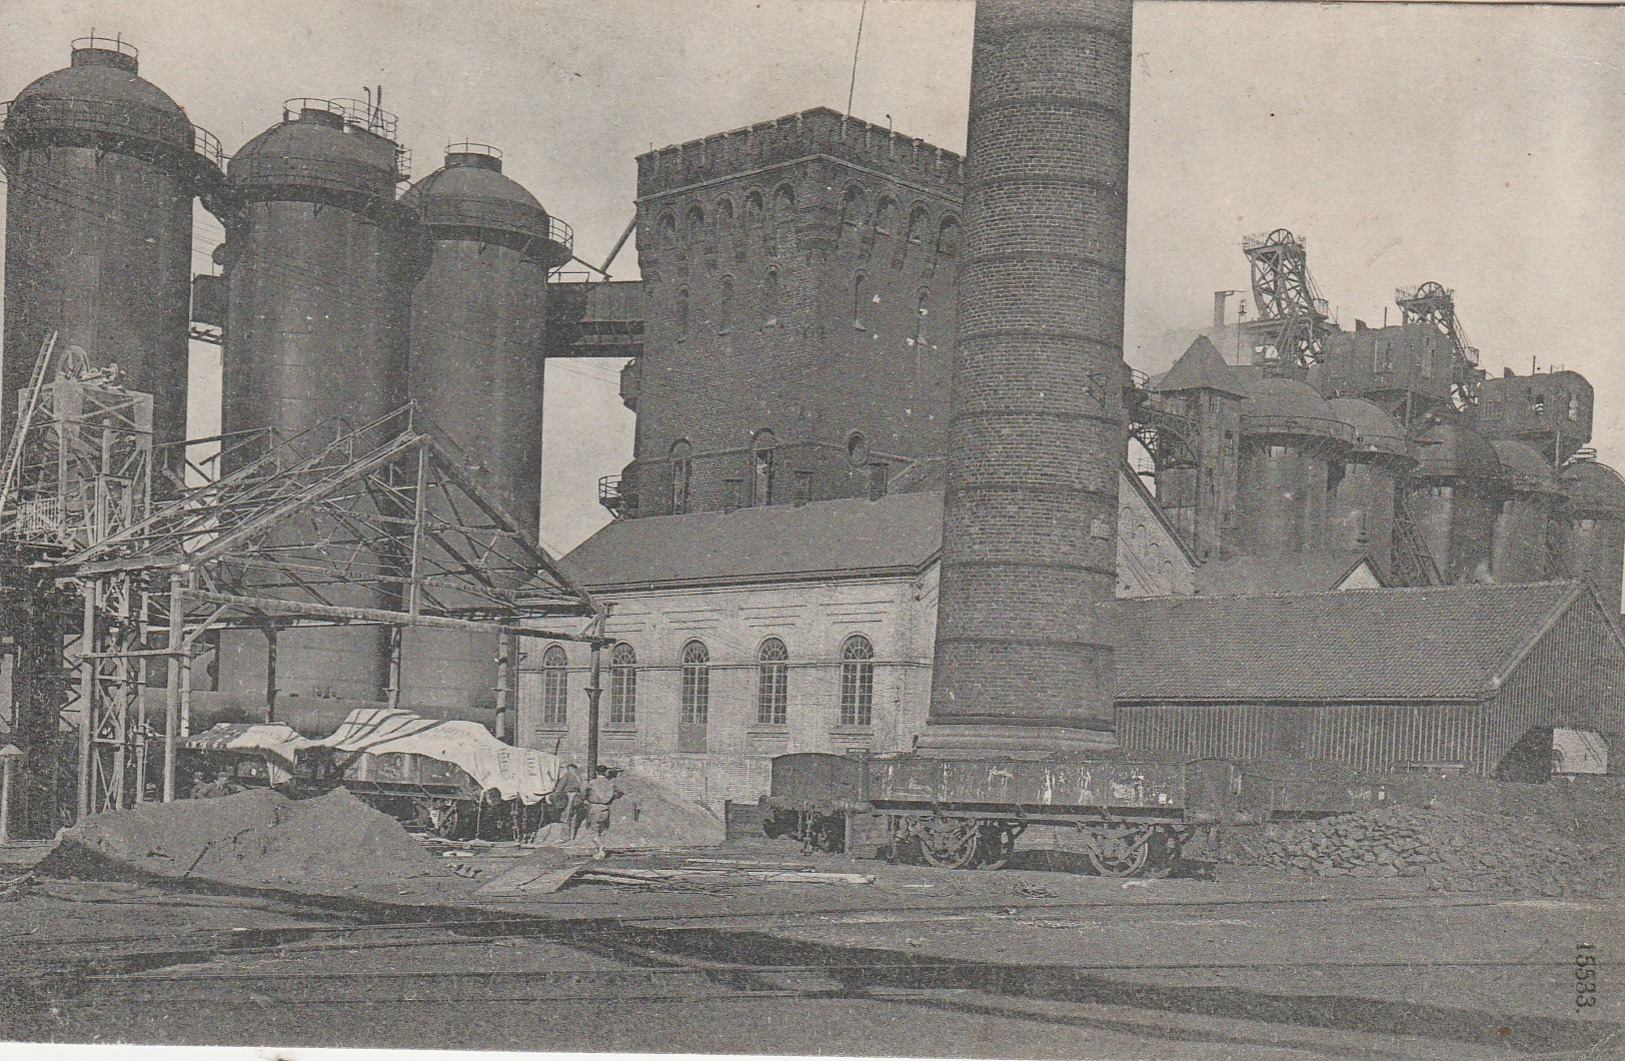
1585 976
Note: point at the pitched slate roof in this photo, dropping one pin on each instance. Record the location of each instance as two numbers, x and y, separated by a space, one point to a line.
899 533
1202 366
1433 643
1312 572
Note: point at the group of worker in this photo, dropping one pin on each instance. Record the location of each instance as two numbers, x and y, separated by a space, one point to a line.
575 800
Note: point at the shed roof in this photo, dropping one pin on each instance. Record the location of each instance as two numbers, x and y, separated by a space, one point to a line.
1311 572
898 533
1428 644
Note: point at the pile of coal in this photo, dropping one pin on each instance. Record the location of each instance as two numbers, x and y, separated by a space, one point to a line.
332 845
1452 849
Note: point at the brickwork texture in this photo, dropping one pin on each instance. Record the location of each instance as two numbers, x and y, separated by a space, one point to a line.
1036 432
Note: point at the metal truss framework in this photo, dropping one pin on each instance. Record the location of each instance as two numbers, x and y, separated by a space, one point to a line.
1433 303
1293 320
281 533
83 473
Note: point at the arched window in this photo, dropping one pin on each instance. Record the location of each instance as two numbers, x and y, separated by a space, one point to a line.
860 299
857 681
772 297
725 304
772 683
948 237
555 687
623 685
762 466
696 221
668 229
696 684
784 213
724 216
886 218
914 235
857 449
682 313
921 311
753 211
852 214
682 475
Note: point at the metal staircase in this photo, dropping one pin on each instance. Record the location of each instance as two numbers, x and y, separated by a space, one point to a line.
1413 564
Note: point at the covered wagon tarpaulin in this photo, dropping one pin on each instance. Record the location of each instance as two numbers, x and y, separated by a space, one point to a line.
248 737
516 773
277 743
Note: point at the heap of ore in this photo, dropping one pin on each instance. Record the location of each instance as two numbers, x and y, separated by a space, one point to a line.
1448 848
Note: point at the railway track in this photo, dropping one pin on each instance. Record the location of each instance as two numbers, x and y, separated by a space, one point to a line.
697 959
475 929
201 944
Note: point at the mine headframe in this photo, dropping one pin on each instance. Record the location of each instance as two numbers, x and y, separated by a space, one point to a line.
1434 304
1293 321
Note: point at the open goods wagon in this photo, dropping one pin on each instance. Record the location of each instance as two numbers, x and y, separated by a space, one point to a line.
1131 816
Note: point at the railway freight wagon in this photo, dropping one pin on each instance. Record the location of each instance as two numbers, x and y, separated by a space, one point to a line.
1131 816
454 777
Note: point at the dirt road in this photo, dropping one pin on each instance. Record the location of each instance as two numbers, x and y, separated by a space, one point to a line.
921 962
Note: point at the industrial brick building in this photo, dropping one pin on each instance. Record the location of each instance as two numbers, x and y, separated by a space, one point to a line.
798 279
798 342
791 347
761 632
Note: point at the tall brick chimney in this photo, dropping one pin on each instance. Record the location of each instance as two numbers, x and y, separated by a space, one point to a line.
1036 431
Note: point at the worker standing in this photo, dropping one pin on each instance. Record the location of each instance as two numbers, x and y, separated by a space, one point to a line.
601 792
566 798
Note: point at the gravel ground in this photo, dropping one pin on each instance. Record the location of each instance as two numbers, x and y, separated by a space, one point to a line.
1020 962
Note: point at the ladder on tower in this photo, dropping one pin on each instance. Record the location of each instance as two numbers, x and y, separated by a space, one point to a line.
1413 564
25 422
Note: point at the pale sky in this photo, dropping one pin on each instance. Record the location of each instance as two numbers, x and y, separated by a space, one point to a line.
1477 146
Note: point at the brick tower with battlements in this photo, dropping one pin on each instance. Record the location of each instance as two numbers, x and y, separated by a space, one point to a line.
800 278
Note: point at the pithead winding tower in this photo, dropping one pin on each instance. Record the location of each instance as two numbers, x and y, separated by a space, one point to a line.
1036 430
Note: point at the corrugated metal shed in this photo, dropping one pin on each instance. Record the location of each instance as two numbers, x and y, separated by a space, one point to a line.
1472 675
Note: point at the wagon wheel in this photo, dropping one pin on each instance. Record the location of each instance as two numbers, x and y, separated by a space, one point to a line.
445 819
948 844
998 843
1119 852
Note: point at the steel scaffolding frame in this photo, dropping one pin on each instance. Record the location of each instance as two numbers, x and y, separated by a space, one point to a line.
277 534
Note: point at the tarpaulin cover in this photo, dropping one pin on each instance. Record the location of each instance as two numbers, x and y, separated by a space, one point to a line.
516 773
248 737
277 743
